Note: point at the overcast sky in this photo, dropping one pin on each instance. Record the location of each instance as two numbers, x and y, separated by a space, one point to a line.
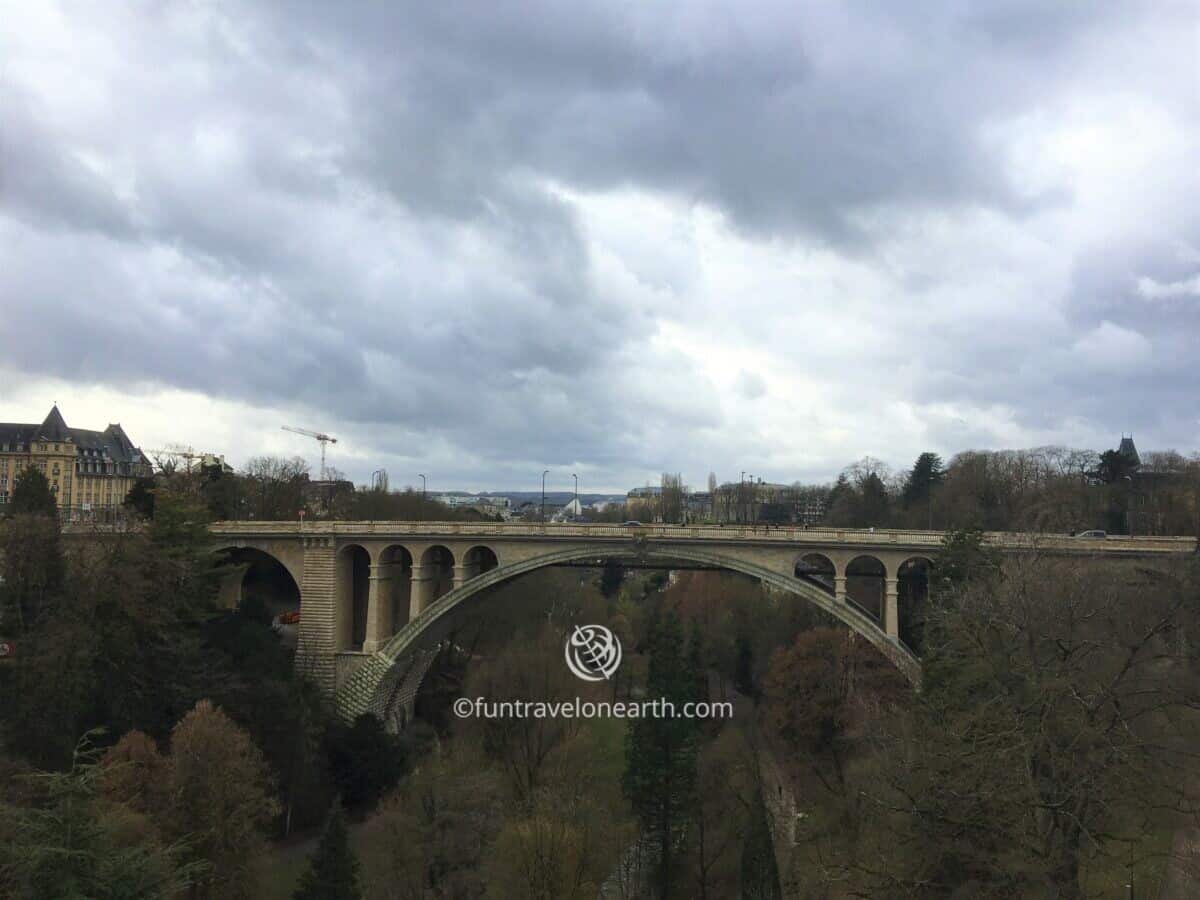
477 240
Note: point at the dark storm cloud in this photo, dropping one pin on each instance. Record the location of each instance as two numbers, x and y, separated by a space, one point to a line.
785 118
365 211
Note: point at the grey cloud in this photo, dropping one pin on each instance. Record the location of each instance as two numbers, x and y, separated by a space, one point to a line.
750 385
355 209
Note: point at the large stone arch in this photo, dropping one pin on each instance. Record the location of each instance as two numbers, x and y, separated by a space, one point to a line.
374 685
242 564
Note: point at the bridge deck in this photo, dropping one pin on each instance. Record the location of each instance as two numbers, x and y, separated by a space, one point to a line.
822 536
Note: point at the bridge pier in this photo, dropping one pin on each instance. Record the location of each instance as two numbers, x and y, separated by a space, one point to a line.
379 606
839 586
424 581
891 608
461 575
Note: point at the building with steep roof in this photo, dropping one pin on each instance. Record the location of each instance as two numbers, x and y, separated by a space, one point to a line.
1129 451
89 471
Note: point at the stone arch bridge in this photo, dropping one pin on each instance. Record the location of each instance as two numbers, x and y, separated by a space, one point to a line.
376 596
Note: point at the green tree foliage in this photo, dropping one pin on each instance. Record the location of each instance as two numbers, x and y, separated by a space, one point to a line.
760 873
225 494
33 570
743 673
252 677
43 690
333 871
141 497
660 774
73 843
364 760
31 495
927 473
1052 734
611 577
963 558
131 619
860 497
1115 466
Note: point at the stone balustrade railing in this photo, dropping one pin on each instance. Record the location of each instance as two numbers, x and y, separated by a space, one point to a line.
823 536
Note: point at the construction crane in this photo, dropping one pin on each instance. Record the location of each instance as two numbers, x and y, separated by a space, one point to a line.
320 436
184 453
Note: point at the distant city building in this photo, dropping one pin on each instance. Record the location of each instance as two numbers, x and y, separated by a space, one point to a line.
454 501
487 505
811 511
644 493
87 470
1129 451
321 497
573 509
211 462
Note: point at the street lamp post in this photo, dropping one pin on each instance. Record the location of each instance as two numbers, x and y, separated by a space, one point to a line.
421 514
577 509
544 474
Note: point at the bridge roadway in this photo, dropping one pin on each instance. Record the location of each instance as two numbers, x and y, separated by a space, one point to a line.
375 596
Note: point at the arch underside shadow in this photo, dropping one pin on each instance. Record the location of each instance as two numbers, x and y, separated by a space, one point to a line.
368 687
227 553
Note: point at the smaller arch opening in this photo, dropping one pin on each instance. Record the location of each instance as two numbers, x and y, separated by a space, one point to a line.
817 569
354 574
478 560
438 564
912 587
866 584
396 593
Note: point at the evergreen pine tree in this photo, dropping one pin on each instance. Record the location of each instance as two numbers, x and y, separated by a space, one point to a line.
697 668
611 578
743 673
760 873
32 495
661 753
927 473
333 870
